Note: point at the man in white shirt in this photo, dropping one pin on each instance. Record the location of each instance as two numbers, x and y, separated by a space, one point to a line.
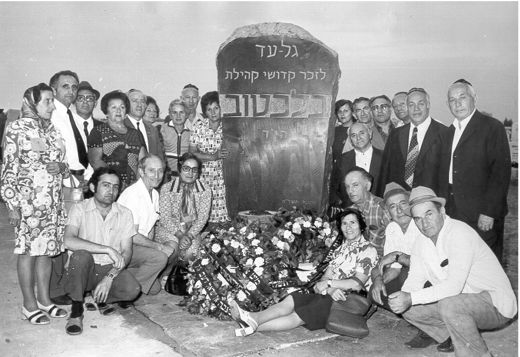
142 199
469 289
190 97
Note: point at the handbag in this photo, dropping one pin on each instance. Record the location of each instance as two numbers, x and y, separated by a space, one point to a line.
348 318
72 194
176 283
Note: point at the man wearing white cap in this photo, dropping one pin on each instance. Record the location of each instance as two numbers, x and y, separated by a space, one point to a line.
469 289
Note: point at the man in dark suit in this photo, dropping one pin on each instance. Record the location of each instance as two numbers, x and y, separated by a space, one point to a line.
412 155
477 166
363 155
149 133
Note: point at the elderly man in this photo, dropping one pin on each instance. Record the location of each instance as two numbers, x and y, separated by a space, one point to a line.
358 183
413 153
363 114
175 136
99 233
363 155
142 199
468 290
400 108
477 165
190 98
149 133
381 112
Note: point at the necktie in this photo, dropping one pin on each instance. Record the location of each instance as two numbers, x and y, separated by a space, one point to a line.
411 158
80 145
85 128
141 135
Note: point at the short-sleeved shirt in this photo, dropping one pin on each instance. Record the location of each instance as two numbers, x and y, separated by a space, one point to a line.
145 208
398 241
376 218
115 228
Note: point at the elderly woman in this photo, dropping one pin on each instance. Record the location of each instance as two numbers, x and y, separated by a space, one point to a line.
206 143
112 144
349 269
31 185
176 138
151 113
184 203
345 118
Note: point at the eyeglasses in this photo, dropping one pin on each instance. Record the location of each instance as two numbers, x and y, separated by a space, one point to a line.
86 98
186 169
383 107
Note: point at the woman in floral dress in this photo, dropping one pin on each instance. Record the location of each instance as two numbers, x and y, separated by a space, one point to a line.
31 185
348 269
206 143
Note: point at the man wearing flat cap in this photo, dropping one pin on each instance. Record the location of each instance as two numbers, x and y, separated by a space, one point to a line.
468 290
477 166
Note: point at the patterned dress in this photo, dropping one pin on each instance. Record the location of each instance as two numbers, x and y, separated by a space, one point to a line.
120 151
208 142
27 185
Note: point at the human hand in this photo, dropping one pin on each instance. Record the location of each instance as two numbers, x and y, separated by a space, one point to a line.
320 286
14 216
485 223
102 289
116 257
336 294
386 260
377 288
185 242
400 301
53 168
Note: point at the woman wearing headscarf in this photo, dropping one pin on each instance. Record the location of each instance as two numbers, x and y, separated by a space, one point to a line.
31 185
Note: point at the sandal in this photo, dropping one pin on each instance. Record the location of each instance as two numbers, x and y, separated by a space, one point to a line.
247 323
53 310
36 317
105 309
74 325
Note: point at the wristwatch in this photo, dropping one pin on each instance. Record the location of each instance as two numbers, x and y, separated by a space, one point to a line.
329 283
111 276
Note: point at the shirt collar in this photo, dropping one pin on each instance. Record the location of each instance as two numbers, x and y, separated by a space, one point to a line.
424 125
91 206
367 152
464 122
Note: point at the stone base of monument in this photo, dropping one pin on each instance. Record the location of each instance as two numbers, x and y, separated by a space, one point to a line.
262 217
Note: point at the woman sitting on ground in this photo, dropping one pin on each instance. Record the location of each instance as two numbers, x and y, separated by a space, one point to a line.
348 270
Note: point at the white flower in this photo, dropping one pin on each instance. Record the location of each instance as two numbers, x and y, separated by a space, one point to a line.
306 224
241 296
259 270
204 261
212 236
198 284
243 230
215 248
259 251
226 242
255 242
259 262
291 238
280 244
288 225
287 234
234 243
249 262
251 235
232 229
326 231
296 228
318 223
251 286
328 242
283 273
203 292
274 240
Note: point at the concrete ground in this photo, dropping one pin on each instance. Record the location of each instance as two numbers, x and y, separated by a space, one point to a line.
158 327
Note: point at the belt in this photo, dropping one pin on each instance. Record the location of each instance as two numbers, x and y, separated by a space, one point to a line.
77 172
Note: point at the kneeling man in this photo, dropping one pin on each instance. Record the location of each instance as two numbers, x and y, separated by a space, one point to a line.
469 289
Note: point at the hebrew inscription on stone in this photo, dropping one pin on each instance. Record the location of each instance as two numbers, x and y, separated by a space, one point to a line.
277 86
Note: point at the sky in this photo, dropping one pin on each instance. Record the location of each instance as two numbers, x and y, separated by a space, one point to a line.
158 47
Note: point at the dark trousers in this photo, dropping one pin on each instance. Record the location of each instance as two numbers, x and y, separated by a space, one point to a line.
494 238
391 287
84 275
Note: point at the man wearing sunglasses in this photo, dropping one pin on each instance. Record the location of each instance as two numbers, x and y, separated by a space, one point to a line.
381 108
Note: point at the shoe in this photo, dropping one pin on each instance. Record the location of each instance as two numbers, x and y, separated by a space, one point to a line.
90 306
125 304
248 325
74 325
421 340
61 300
105 309
446 346
53 310
36 317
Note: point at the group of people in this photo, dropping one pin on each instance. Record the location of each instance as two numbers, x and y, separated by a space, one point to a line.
430 201
119 237
415 203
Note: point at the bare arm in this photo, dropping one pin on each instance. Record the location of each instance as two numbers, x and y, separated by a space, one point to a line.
94 157
203 156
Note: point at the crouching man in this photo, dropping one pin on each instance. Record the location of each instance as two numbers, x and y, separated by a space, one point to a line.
469 289
99 234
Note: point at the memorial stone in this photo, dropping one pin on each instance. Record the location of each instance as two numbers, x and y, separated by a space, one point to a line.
277 87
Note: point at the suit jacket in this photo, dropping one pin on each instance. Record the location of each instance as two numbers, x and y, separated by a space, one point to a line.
481 168
155 145
338 194
428 163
